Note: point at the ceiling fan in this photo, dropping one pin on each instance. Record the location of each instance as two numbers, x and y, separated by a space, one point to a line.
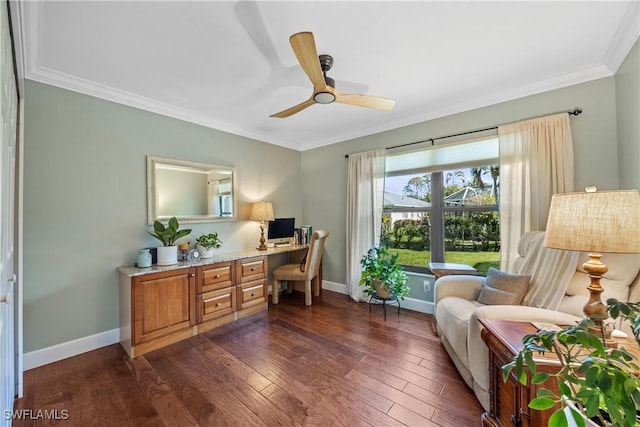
324 92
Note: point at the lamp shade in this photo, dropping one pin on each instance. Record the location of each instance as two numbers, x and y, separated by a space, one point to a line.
262 211
601 221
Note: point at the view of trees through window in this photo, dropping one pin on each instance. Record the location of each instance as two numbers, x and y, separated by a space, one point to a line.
458 207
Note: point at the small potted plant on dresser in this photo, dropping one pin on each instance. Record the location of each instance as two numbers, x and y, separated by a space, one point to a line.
168 254
206 243
598 385
382 275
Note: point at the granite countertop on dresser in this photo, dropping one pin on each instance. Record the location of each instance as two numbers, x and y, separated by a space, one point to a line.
132 270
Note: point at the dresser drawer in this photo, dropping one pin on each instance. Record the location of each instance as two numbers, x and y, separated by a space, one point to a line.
216 276
252 293
250 269
215 303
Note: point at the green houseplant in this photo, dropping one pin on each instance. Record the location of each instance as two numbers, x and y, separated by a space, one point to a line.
382 275
206 243
168 254
599 385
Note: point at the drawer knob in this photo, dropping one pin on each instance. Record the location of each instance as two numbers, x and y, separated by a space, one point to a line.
218 304
253 294
253 268
217 276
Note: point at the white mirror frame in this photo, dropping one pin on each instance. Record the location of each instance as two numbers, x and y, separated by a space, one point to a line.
155 189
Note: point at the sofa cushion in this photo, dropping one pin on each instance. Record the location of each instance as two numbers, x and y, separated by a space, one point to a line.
502 288
623 269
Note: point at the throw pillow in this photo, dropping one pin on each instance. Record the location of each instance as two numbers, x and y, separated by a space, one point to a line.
502 288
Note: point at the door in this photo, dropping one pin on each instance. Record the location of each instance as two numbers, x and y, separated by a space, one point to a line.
8 126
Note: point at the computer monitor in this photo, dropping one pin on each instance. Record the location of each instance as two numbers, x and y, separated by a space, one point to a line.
280 228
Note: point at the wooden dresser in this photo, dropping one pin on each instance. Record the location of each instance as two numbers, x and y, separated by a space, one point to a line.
162 305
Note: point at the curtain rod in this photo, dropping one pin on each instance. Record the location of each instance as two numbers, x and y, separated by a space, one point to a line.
575 111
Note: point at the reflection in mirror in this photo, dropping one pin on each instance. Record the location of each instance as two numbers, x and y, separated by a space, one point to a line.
192 192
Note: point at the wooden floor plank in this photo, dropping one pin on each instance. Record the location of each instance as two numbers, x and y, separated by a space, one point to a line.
332 363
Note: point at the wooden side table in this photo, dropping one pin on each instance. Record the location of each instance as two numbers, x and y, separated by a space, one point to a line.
509 401
440 269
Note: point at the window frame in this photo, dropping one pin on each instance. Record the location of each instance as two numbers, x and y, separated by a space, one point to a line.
438 210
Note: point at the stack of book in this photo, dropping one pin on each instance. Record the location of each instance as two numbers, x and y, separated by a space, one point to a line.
303 234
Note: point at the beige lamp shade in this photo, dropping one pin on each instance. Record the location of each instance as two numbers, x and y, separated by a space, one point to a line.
601 221
262 211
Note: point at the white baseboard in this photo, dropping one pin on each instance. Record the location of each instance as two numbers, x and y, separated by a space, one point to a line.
47 355
418 305
408 303
335 287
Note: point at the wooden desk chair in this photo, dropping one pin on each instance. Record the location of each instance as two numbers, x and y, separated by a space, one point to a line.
306 271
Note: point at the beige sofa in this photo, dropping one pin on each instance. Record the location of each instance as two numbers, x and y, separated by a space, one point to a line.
457 309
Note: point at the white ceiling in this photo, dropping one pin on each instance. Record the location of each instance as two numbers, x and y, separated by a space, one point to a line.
229 65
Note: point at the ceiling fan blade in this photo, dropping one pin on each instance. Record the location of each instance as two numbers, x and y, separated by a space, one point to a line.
365 101
304 46
295 109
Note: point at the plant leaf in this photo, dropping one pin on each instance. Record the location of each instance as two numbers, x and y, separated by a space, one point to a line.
542 403
539 378
558 419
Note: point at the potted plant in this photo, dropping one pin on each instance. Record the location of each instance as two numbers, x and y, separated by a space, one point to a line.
207 243
382 275
168 254
598 386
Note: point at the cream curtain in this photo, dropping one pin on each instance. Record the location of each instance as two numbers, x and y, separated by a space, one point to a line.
536 161
365 192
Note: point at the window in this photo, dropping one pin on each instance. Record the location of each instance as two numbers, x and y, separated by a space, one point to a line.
441 204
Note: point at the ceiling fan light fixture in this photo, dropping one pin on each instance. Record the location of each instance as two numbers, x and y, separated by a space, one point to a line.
324 97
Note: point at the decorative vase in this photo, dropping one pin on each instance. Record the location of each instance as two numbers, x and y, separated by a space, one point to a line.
144 258
167 255
381 289
205 252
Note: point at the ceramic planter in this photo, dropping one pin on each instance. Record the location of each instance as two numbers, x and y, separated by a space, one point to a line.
205 252
167 255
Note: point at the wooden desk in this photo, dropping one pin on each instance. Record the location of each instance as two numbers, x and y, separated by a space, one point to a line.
161 305
440 269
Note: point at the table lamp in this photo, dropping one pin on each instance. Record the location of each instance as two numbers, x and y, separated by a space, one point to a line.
595 222
262 211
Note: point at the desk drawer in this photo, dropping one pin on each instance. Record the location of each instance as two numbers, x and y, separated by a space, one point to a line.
215 276
252 293
250 269
215 303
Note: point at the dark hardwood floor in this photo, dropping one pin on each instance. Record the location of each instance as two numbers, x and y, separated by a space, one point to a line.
330 364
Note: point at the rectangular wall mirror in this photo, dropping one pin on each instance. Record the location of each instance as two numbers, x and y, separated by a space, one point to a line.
192 192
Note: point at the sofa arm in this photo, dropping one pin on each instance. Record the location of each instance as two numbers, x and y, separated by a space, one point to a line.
478 364
463 286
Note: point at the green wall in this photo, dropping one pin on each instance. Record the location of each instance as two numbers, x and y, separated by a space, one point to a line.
324 169
628 116
85 201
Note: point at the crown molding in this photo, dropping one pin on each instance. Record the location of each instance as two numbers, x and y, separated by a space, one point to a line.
624 39
597 71
54 78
